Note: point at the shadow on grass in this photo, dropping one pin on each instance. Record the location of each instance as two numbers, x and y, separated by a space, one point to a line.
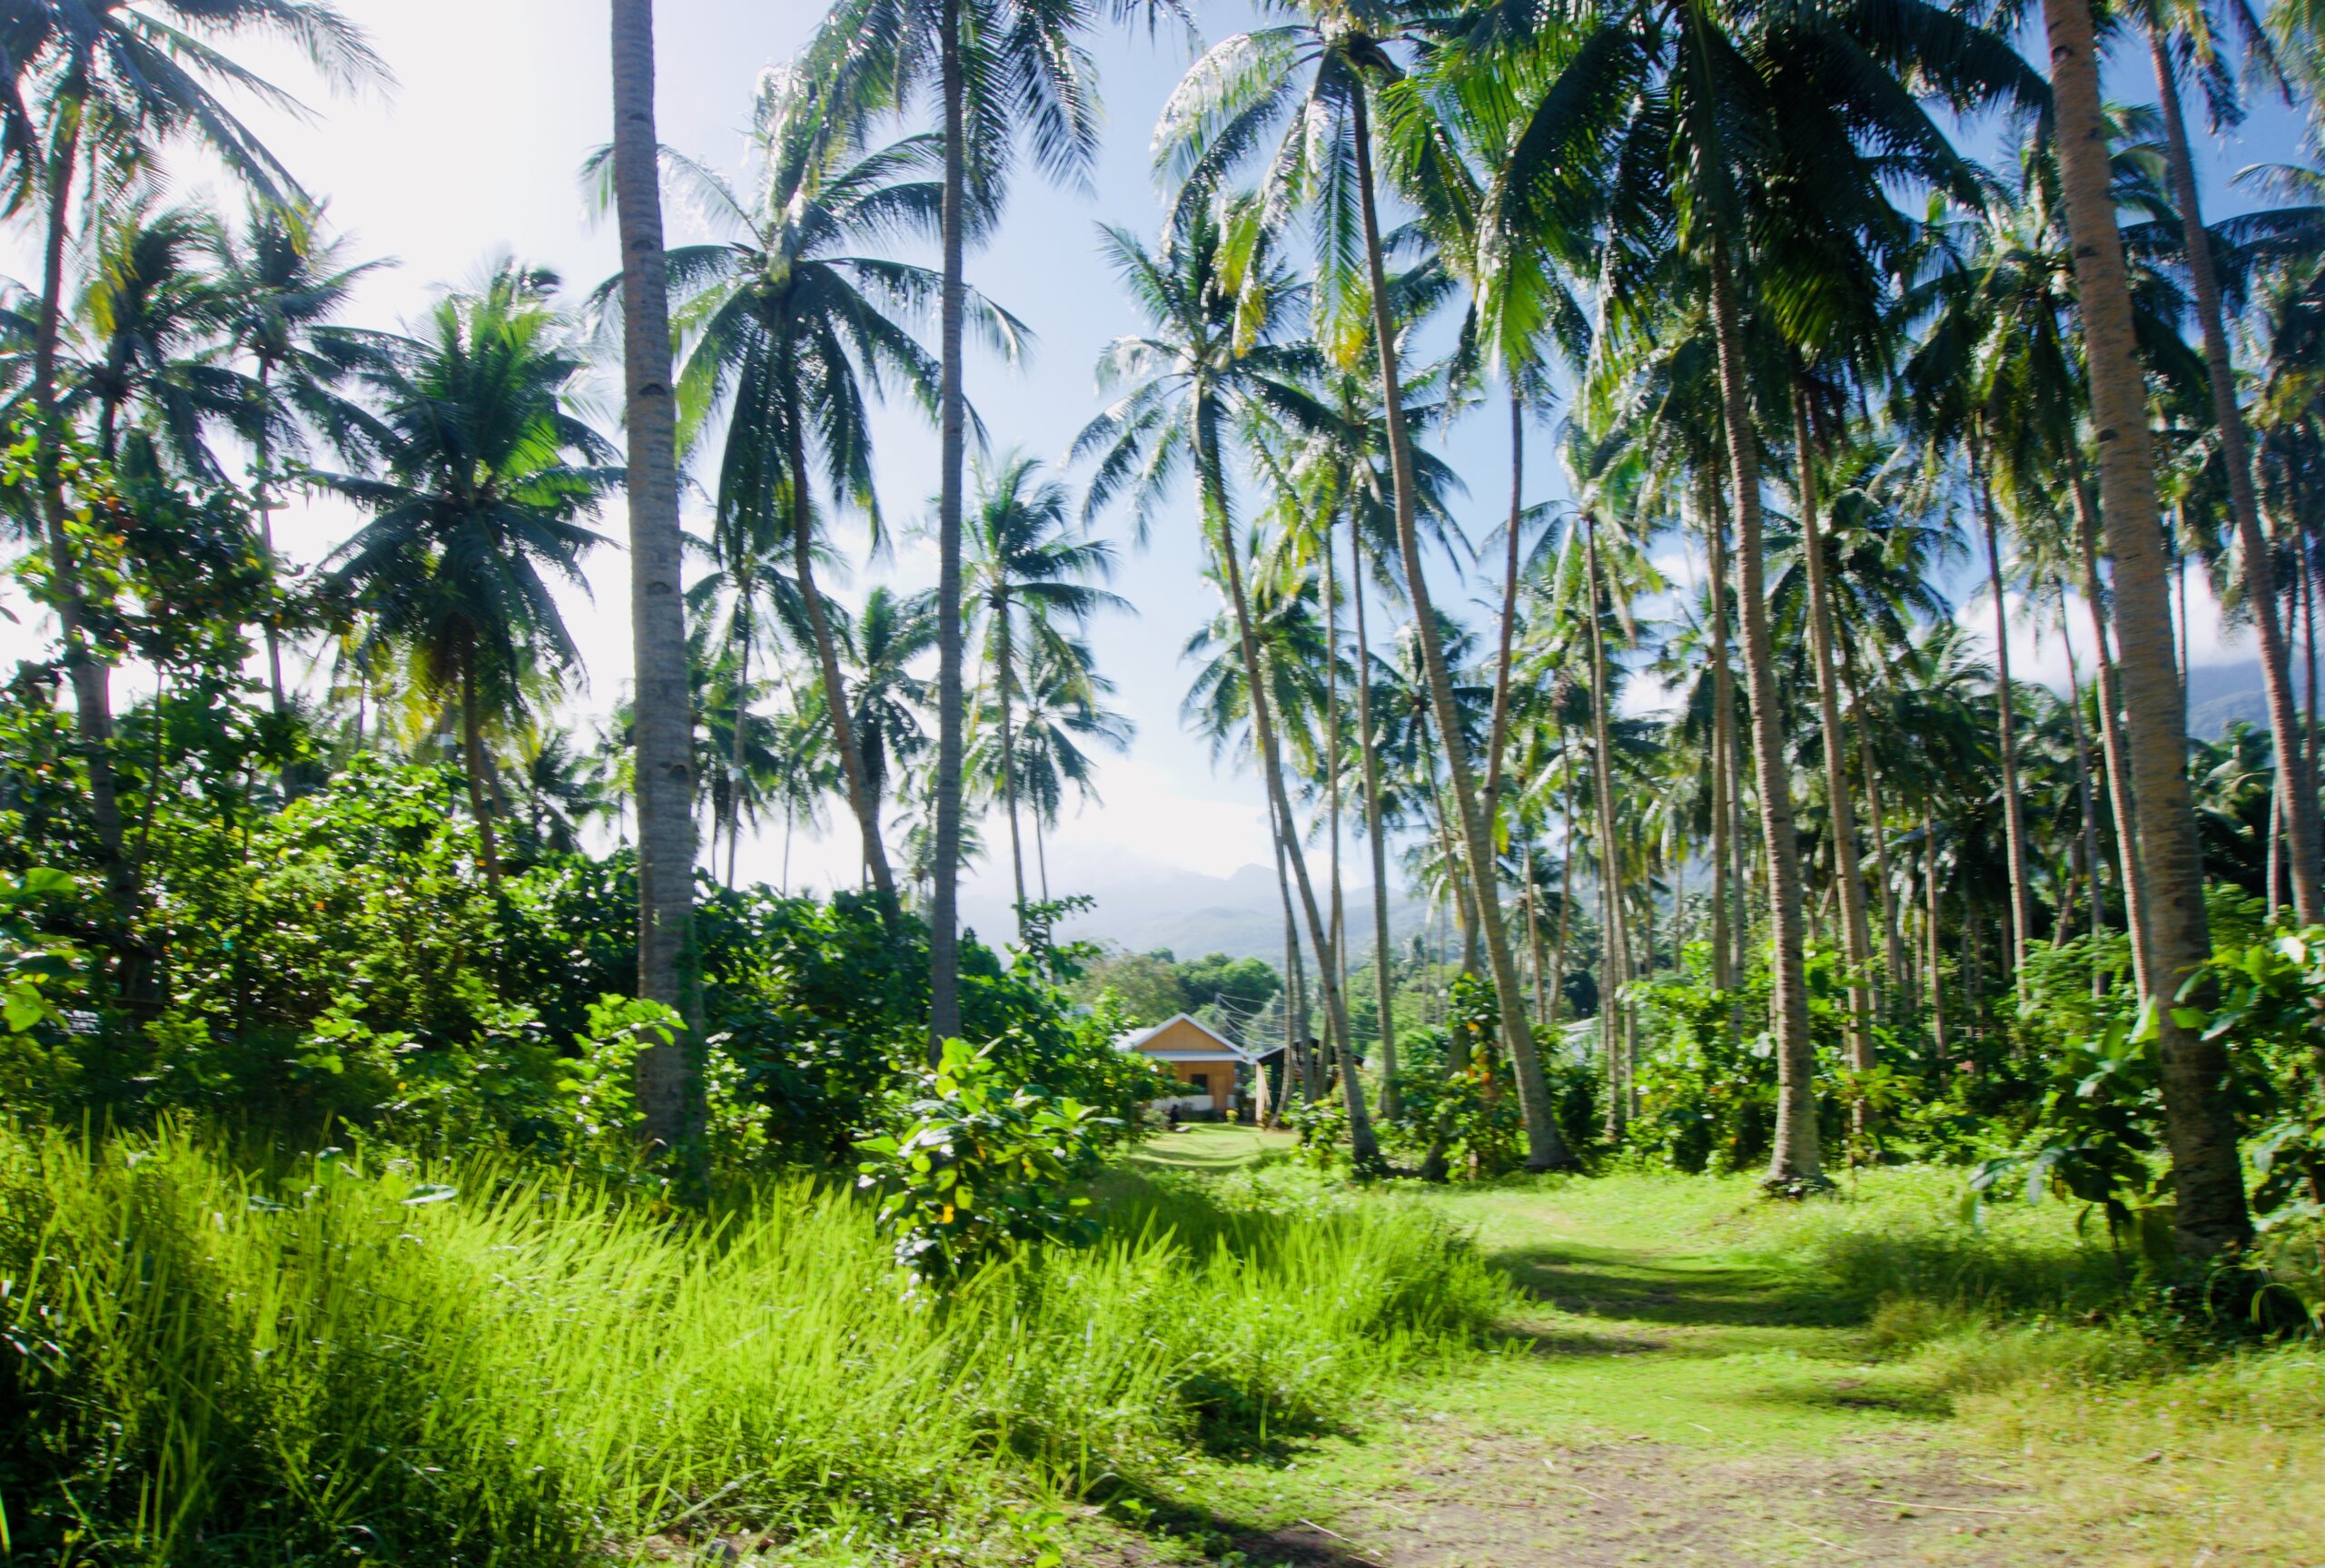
1533 1340
1637 1287
1214 1534
1919 1404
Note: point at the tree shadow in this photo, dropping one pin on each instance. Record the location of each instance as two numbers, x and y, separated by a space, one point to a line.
1917 1404
1605 1282
1215 1536
1540 1340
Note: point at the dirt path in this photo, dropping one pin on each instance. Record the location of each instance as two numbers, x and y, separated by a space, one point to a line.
1663 1406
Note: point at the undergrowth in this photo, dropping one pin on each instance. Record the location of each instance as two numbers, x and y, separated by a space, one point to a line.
368 1358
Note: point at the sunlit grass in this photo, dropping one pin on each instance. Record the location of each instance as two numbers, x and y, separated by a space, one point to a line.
486 1363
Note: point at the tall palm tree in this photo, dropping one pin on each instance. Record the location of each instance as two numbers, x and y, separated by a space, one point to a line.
796 326
1218 353
284 277
1312 81
2199 1122
657 619
1664 116
2189 29
1028 572
146 323
885 699
485 478
1003 70
115 84
1063 716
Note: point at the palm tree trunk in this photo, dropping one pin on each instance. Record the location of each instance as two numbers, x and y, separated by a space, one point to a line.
1545 1147
473 761
1934 918
667 1094
1893 949
1498 736
2086 797
92 676
1009 749
1848 878
943 937
735 753
2199 1122
1363 1148
1723 720
1797 1156
1533 931
1565 904
2309 640
861 800
2012 815
262 503
1731 764
2296 788
1295 1042
2120 800
1615 957
1368 745
1339 925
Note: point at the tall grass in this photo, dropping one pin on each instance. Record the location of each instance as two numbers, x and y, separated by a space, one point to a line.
492 1365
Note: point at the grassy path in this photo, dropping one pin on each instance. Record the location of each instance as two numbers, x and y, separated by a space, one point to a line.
1676 1394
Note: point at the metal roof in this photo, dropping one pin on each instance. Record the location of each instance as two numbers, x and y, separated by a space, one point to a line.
1138 1038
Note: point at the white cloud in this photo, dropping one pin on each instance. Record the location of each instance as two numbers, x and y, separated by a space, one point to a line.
2039 653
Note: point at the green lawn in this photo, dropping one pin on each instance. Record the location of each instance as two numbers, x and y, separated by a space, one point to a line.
1704 1378
1212 1146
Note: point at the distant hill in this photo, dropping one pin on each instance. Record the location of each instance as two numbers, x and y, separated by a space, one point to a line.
2219 695
1192 915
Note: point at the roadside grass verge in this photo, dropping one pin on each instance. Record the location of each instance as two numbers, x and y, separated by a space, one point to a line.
2143 1442
487 1363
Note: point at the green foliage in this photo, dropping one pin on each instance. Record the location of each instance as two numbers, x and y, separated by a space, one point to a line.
2271 1011
1471 1117
341 960
1154 986
2101 1120
979 1168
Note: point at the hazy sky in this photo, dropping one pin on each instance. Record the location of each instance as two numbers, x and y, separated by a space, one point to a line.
474 153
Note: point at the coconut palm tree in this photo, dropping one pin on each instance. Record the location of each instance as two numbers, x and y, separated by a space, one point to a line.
665 724
2200 1124
885 699
485 478
1061 717
283 278
1219 354
1676 120
1028 571
2190 31
1004 72
115 84
1307 86
796 326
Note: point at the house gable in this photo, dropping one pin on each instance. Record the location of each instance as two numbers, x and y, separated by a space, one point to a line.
1182 1039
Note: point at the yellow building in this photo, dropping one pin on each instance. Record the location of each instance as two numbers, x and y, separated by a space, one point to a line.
1206 1063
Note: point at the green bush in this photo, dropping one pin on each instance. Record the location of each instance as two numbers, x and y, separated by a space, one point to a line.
341 962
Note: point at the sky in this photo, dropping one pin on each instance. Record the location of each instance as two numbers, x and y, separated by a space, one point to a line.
474 152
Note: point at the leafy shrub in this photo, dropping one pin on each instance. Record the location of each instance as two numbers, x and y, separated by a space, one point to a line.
341 962
979 1168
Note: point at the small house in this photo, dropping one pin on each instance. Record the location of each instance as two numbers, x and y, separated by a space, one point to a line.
1206 1063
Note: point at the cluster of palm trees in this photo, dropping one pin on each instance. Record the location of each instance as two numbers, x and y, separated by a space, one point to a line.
1789 331
1803 328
